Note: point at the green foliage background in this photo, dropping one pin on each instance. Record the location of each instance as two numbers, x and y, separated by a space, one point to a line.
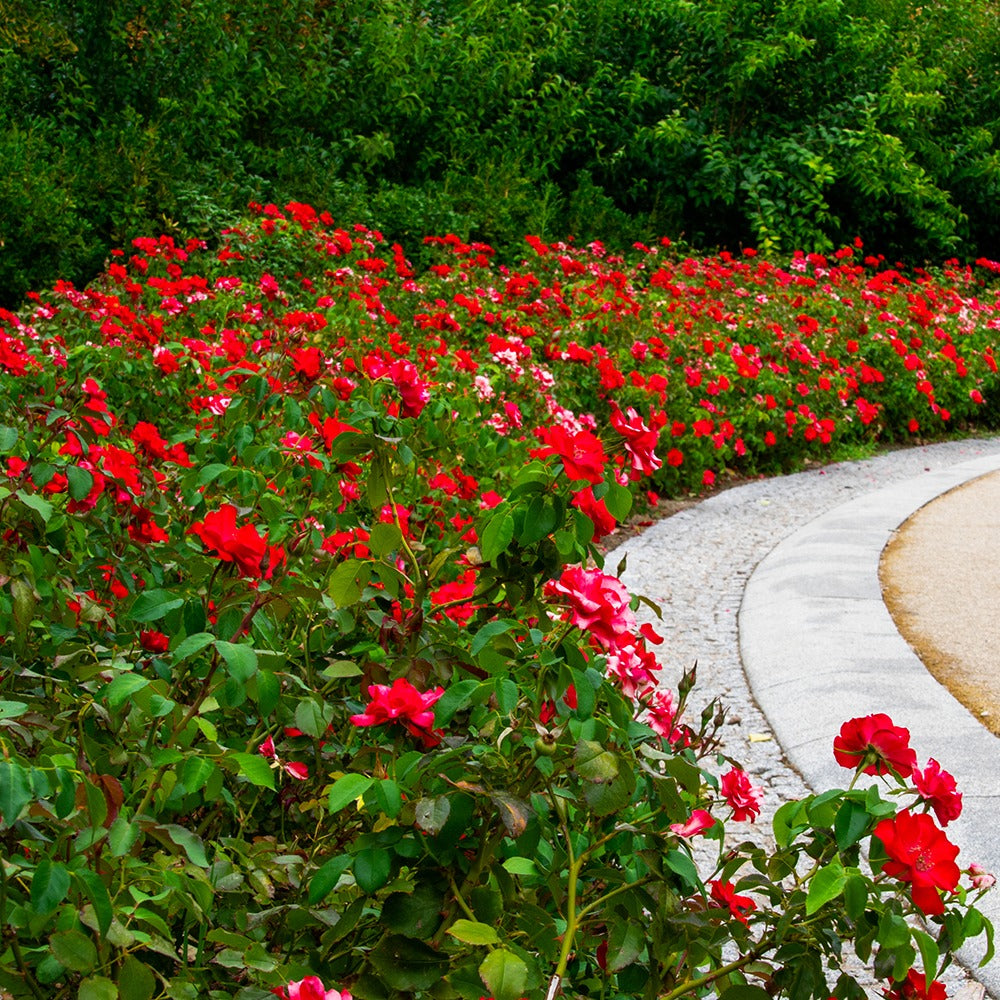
780 124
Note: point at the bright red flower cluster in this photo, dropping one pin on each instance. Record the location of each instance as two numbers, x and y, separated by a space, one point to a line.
938 789
698 822
596 603
919 853
724 896
875 745
742 796
242 545
402 703
914 987
310 988
581 453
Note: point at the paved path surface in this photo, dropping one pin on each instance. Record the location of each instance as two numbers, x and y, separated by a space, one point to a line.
773 588
940 578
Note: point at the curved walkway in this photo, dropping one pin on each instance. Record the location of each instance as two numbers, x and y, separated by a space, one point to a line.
773 588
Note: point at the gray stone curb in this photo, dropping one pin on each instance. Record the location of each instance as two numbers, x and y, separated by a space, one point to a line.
819 647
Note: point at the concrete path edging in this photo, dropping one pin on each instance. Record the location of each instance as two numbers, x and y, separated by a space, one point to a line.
819 647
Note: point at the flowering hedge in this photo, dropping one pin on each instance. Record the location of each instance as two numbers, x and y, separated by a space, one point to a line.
313 680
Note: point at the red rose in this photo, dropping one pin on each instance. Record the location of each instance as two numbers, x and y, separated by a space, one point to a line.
404 704
153 641
937 788
913 987
597 603
602 519
243 545
724 896
919 853
581 453
875 745
743 796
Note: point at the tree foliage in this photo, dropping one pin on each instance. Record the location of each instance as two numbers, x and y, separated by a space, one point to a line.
779 123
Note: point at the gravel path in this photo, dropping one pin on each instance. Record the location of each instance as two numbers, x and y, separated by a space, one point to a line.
695 565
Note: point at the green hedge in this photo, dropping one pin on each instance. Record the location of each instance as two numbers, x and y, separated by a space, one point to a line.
777 123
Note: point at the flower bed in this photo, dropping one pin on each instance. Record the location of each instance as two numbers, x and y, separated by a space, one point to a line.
313 677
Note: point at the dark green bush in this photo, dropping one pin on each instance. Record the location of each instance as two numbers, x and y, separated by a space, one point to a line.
778 123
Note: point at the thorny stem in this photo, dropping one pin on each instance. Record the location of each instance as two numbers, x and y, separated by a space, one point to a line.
11 935
472 878
460 899
689 985
610 895
572 917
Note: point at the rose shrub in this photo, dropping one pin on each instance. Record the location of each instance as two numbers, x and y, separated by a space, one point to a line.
312 680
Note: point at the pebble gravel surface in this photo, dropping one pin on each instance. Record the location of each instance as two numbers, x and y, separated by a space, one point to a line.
695 565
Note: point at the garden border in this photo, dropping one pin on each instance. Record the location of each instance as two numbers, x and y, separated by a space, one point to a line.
819 646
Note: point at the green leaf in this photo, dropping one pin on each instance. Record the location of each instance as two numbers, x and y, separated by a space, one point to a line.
97 892
347 582
989 931
255 769
505 974
489 631
80 482
122 835
593 763
322 883
850 823
192 644
407 965
8 438
385 538
827 884
893 931
497 535
586 695
342 668
136 981
521 866
789 821
267 692
608 797
73 950
744 991
309 718
151 605
455 697
195 773
416 914
240 658
432 813
681 864
372 866
189 841
12 709
823 808
618 500
97 988
347 789
49 886
855 896
41 507
389 797
929 954
211 472
625 944
122 688
473 932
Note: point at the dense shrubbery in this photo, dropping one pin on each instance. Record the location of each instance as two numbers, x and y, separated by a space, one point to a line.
309 666
774 123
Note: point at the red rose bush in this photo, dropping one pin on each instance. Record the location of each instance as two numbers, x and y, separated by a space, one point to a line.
314 682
